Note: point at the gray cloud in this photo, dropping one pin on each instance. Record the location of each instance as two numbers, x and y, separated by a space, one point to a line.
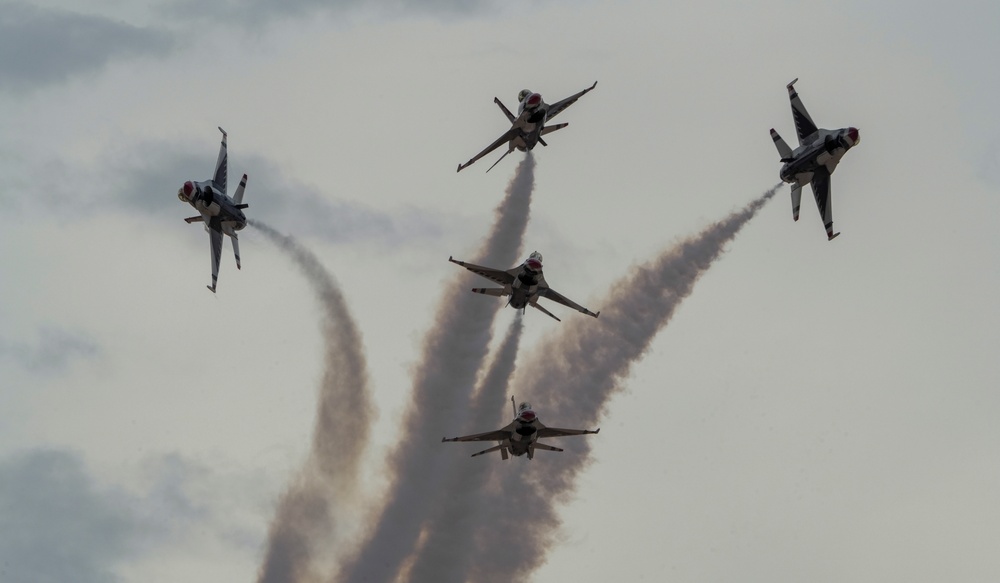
40 46
259 12
57 525
51 352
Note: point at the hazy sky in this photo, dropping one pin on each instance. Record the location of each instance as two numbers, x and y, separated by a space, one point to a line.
815 410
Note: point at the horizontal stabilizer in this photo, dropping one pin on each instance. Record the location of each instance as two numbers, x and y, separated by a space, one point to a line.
548 313
489 291
546 447
552 128
503 451
190 220
242 206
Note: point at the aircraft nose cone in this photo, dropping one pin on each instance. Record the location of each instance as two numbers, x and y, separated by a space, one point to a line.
854 135
534 264
528 415
188 188
534 99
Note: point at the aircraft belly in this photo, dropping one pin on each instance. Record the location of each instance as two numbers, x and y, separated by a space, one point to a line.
211 210
518 298
518 447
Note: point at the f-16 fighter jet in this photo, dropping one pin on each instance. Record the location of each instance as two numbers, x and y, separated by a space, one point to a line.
220 213
521 435
524 284
528 127
814 160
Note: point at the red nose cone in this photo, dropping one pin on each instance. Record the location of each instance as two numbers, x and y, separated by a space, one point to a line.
528 415
534 100
534 264
188 188
853 134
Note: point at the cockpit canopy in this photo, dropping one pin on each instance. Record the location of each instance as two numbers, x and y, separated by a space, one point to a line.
186 191
524 406
523 94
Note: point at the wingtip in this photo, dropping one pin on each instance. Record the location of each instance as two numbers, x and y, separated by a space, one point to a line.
224 134
598 314
795 80
833 236
598 430
594 85
211 288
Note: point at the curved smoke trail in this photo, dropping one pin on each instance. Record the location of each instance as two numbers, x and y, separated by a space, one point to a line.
583 366
453 353
343 421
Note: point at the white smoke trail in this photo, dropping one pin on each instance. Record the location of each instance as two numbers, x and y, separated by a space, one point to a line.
446 551
327 483
582 367
452 355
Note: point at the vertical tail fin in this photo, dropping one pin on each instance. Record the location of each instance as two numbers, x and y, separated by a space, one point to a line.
783 150
513 406
238 195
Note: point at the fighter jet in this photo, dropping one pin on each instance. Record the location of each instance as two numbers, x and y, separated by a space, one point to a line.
220 213
521 435
528 127
524 284
814 160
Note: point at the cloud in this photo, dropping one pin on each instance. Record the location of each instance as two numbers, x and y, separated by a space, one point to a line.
259 12
40 46
59 523
56 524
53 351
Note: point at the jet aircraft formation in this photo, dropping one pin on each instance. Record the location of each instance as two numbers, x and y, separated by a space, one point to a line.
818 154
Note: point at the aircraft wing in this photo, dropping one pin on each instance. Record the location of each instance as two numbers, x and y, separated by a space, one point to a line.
804 125
215 238
498 435
557 432
221 165
557 107
547 292
496 275
505 138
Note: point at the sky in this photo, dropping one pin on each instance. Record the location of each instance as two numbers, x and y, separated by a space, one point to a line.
812 409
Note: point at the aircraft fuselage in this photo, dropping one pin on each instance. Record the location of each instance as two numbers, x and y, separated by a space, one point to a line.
524 290
825 150
207 200
531 116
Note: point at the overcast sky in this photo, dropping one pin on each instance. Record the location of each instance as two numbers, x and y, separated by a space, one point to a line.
815 410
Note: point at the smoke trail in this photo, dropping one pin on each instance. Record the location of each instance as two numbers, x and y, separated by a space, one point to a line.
583 367
343 420
452 355
445 554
